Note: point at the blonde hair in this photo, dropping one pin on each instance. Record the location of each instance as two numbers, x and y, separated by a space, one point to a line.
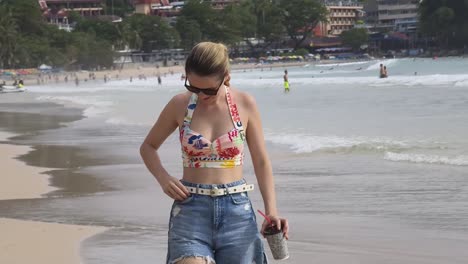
208 58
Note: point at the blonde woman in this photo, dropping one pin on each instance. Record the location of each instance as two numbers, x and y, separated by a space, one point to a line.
212 220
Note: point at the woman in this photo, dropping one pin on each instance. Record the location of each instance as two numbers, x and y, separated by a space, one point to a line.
212 220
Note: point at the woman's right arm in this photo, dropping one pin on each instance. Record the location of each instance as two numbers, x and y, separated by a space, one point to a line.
164 126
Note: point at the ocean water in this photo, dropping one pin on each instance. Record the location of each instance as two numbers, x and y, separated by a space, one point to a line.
368 170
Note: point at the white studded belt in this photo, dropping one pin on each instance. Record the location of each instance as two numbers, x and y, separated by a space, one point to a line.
221 191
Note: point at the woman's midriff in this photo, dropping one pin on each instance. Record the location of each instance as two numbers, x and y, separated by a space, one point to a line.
212 175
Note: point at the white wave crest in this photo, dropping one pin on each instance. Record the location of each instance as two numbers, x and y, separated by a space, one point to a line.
300 143
123 121
170 83
93 105
461 160
461 83
452 80
341 64
387 63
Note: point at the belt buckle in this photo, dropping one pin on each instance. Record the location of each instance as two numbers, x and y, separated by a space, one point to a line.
214 194
213 191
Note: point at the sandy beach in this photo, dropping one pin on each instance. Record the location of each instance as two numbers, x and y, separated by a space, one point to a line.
367 170
38 242
20 181
30 241
134 71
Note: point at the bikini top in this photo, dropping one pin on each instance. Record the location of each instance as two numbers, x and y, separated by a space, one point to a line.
227 151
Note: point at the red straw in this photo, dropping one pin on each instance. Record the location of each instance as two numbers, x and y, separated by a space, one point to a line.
266 217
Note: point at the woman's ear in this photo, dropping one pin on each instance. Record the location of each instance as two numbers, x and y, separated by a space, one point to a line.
227 79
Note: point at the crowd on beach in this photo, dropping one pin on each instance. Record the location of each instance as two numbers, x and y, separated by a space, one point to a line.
130 73
80 77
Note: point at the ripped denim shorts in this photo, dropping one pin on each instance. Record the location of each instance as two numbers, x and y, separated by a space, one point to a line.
220 229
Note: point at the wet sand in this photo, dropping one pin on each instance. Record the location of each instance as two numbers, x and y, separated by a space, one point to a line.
26 241
336 215
39 242
20 181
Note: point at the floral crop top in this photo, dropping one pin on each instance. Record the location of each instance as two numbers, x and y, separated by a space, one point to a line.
227 151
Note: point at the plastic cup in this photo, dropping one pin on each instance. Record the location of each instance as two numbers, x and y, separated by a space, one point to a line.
278 244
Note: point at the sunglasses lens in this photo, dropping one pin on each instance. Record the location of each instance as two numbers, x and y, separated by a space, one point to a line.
198 90
205 91
191 89
209 91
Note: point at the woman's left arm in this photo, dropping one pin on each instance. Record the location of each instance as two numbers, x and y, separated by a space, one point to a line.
262 165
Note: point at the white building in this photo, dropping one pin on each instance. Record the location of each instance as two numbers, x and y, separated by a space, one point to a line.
342 16
392 15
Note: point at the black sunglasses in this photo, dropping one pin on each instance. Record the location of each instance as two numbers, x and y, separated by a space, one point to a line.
207 91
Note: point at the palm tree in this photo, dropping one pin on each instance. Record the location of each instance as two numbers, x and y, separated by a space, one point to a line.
8 36
128 37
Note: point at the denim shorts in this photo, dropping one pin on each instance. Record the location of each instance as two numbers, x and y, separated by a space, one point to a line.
222 229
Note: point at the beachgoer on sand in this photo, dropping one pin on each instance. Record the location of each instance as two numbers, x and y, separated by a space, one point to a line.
212 219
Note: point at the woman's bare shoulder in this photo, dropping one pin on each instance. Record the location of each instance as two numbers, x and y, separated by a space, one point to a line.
180 100
177 106
245 99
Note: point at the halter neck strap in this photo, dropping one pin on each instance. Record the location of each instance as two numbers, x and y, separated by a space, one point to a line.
234 112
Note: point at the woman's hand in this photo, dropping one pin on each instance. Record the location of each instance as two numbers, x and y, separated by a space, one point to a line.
280 223
174 188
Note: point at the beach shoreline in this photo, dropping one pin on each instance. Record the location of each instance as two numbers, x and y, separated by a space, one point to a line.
25 241
137 71
133 72
351 202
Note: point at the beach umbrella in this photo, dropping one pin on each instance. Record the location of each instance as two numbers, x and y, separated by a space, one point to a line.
44 67
23 72
9 73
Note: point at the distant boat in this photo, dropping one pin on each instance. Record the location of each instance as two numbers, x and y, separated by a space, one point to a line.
11 89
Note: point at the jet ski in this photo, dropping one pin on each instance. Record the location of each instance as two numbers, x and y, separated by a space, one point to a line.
11 89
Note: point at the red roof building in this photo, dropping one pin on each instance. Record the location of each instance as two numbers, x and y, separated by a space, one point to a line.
57 11
83 7
170 8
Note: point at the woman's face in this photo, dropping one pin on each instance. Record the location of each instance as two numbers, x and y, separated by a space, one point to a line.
208 88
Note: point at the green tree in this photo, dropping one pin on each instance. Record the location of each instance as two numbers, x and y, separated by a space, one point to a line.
445 21
247 20
74 17
92 52
31 51
355 37
27 41
258 23
27 15
118 7
269 21
300 17
104 30
8 36
129 37
235 24
203 13
155 33
189 31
